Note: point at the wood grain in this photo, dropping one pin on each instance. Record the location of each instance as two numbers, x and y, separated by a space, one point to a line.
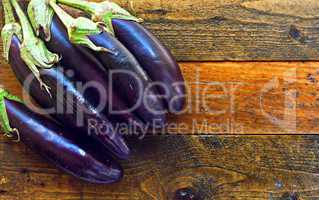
224 98
240 98
207 30
214 167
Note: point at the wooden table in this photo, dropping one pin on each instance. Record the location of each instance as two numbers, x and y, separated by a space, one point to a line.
260 141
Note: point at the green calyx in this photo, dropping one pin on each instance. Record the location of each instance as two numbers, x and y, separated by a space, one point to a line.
33 50
10 28
4 119
41 14
79 28
35 54
7 33
102 12
104 8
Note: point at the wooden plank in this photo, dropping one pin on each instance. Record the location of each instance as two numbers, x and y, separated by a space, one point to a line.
240 98
214 167
233 29
206 30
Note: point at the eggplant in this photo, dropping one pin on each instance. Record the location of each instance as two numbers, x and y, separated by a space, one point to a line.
88 69
52 142
152 55
129 78
64 94
155 59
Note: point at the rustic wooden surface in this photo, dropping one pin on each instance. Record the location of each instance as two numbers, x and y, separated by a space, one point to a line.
214 167
233 29
219 168
256 98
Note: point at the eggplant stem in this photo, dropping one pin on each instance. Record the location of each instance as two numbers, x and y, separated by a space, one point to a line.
79 28
10 135
27 31
41 14
8 12
81 5
64 16
4 118
102 12
10 28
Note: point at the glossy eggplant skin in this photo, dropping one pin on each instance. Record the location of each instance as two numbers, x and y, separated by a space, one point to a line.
72 109
155 59
88 69
51 141
130 79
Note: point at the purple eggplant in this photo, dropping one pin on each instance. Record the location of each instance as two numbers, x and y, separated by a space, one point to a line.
155 59
120 67
151 54
77 112
88 69
132 83
51 141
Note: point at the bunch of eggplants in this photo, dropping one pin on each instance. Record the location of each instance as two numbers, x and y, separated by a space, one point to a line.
129 77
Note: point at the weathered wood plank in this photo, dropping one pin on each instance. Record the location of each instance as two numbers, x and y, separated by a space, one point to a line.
233 29
206 30
240 98
214 167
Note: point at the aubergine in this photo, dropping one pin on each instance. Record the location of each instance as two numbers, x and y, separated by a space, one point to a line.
88 69
76 111
152 55
133 84
52 142
155 59
120 67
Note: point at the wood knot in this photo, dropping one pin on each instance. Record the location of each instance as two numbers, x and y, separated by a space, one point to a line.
217 20
185 194
24 171
295 33
290 196
2 191
311 78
